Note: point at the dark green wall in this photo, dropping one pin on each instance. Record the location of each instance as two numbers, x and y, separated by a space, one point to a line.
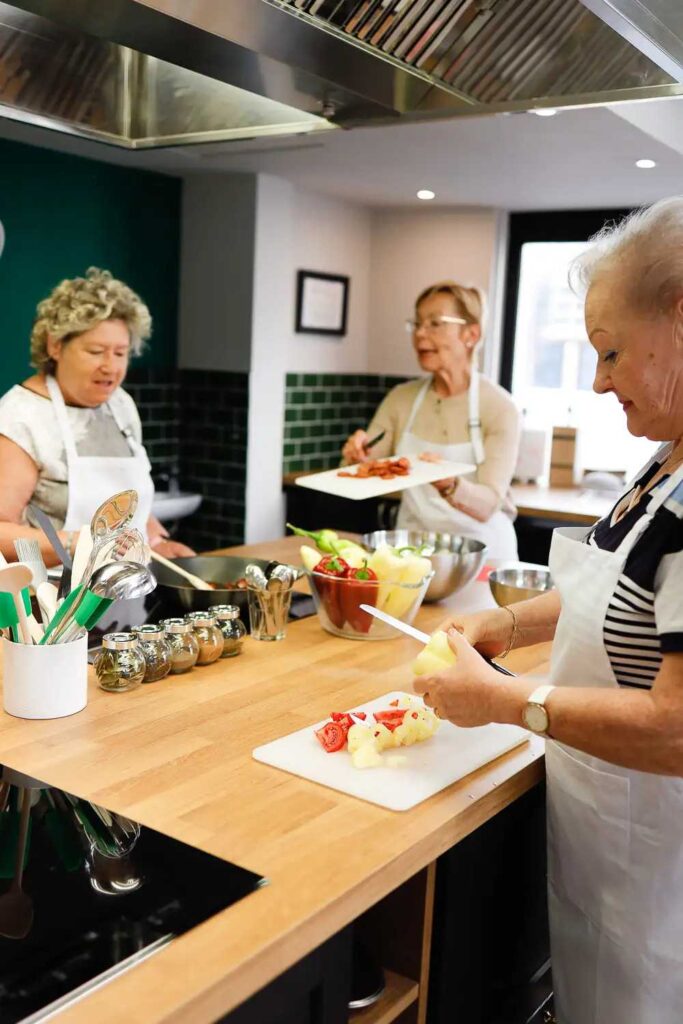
62 214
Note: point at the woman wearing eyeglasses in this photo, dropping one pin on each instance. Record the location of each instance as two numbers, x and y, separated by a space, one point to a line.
454 414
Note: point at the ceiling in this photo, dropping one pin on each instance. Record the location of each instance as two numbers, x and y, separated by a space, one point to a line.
517 161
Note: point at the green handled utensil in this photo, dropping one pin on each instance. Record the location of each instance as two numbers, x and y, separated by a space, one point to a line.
8 613
81 606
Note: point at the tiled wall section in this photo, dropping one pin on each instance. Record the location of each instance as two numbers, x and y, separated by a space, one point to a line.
195 429
213 455
156 394
322 410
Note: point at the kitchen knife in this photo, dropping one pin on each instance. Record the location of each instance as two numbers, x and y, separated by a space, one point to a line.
57 546
417 634
375 440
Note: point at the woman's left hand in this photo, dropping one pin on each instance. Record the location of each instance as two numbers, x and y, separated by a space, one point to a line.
441 485
469 693
173 549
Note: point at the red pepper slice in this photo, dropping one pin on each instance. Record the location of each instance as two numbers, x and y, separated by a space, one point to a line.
361 588
390 719
331 736
330 592
396 714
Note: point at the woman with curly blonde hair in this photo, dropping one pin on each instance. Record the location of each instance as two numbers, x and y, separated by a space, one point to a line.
70 436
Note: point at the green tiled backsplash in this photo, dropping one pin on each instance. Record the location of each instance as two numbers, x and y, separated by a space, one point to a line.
322 409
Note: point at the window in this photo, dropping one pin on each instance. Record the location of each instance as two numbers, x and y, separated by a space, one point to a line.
550 372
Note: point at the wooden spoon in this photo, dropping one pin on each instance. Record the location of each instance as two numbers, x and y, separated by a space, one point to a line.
16 906
190 577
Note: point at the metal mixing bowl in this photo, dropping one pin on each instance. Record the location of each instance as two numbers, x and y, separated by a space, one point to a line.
519 582
456 560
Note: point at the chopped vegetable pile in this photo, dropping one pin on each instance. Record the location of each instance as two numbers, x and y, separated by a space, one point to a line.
404 722
385 469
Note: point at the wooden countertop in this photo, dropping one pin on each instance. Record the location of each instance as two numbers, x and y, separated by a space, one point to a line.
175 755
567 504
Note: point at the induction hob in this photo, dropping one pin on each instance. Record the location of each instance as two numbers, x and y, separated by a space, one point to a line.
99 893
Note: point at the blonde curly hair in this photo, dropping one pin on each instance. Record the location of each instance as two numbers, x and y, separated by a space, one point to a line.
80 303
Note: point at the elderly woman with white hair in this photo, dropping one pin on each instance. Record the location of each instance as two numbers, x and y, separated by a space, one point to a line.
612 710
70 436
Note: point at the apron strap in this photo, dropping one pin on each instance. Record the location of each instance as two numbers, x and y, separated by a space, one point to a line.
669 495
419 399
474 421
59 407
126 431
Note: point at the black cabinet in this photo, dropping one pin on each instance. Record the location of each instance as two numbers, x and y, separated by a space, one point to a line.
313 510
490 941
314 991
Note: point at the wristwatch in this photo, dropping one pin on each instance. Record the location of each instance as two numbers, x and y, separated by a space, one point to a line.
535 714
449 491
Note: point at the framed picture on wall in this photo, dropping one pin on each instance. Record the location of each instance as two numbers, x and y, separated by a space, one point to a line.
321 303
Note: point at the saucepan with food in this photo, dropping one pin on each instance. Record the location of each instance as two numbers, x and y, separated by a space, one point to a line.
225 575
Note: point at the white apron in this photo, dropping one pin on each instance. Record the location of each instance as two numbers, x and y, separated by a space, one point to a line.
423 508
615 835
91 479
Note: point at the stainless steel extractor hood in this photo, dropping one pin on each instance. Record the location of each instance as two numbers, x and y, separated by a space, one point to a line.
158 72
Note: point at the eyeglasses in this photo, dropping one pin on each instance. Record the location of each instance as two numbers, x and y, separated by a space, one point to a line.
432 323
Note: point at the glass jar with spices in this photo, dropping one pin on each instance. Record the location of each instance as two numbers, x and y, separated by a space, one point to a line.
156 651
231 626
209 636
120 665
183 644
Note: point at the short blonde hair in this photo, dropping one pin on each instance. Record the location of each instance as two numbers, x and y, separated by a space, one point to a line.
470 302
80 303
646 248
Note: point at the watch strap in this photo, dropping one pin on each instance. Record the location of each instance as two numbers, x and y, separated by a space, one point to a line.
540 694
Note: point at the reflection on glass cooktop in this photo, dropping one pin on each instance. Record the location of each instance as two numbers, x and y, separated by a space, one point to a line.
86 893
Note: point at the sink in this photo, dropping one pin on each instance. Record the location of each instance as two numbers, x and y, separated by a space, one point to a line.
169 505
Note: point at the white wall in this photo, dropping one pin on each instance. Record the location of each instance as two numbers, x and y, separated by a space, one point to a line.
412 249
334 237
273 305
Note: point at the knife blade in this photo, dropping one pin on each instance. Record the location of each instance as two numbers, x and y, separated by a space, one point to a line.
417 634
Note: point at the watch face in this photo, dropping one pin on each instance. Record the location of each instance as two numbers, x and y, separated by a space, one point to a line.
536 717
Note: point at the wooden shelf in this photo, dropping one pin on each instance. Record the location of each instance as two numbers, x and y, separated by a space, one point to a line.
399 994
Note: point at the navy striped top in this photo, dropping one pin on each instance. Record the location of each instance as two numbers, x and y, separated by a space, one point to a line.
644 619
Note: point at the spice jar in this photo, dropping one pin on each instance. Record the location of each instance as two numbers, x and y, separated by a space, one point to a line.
209 636
231 626
183 644
120 665
156 651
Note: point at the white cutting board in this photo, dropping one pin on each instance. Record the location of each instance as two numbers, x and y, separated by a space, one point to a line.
421 472
430 766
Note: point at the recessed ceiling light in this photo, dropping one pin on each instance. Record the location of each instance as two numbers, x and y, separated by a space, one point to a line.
544 112
645 165
426 193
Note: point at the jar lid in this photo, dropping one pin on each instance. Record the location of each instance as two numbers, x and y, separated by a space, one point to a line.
119 641
226 611
176 626
201 618
149 631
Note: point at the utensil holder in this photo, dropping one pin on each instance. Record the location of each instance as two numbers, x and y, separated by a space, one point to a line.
45 682
269 613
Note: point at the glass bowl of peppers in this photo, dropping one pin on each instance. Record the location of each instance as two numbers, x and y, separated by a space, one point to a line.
340 589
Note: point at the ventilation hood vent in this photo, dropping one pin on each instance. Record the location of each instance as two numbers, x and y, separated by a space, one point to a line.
140 73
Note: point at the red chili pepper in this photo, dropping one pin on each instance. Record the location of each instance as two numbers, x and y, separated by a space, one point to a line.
330 593
361 588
